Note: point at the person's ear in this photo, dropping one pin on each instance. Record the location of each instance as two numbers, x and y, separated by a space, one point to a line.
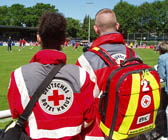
38 38
117 26
96 29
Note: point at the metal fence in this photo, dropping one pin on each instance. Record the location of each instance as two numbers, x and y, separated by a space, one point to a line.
148 37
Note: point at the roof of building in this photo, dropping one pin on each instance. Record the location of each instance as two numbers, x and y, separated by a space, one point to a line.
16 28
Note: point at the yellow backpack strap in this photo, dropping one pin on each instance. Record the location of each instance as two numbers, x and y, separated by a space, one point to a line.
133 103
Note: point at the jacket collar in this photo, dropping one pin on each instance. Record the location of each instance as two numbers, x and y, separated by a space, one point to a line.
47 56
109 38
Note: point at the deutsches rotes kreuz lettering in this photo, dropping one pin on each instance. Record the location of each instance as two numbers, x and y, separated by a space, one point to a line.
119 57
57 98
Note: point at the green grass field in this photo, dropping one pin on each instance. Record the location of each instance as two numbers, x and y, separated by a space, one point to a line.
12 60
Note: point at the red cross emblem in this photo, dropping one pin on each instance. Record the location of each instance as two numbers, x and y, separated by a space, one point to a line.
146 101
55 98
120 61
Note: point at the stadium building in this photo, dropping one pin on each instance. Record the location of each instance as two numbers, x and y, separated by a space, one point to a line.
17 32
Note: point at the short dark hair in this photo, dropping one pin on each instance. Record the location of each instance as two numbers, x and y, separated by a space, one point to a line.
52 30
163 47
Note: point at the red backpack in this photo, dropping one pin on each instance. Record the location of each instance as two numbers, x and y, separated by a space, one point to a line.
131 97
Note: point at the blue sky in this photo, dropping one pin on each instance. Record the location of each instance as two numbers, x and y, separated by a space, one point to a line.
76 9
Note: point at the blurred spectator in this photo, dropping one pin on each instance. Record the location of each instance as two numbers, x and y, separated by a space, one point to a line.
76 45
163 73
73 43
24 42
9 44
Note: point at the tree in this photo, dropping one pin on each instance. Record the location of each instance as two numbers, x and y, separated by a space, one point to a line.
31 19
73 28
85 28
160 16
33 13
145 17
16 14
4 17
126 16
148 17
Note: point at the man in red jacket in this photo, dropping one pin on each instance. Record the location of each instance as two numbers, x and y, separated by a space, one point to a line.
112 41
66 107
24 42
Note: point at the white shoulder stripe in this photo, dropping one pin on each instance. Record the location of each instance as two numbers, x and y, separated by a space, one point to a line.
94 138
57 133
21 87
82 76
85 64
24 97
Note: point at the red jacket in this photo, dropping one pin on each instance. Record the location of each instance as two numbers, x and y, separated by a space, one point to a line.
65 107
114 44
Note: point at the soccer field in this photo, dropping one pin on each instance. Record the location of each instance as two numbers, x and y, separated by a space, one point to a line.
12 60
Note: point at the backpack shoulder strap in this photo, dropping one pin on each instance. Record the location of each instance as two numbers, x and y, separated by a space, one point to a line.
104 55
130 53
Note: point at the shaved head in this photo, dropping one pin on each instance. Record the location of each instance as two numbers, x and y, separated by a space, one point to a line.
106 21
